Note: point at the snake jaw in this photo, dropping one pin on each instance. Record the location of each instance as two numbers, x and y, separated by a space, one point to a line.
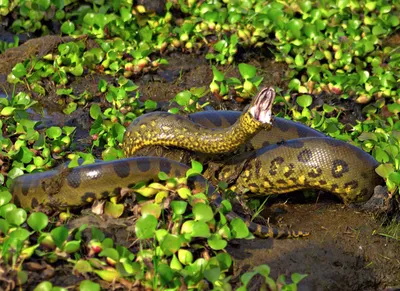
261 109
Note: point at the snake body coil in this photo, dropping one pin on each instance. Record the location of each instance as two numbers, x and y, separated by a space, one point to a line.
288 157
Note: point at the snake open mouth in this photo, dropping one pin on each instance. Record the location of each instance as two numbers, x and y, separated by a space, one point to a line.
261 108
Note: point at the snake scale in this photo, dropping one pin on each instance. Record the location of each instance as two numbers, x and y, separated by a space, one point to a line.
285 157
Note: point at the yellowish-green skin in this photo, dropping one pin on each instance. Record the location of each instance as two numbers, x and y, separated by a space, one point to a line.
277 165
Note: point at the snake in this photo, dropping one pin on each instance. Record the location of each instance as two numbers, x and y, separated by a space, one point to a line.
261 155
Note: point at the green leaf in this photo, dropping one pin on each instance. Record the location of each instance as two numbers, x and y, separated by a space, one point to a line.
247 71
16 216
218 76
110 253
201 229
146 226
183 98
179 207
5 197
385 170
202 212
296 277
395 177
87 285
19 70
217 243
59 235
44 286
304 100
54 132
239 228
170 244
68 27
38 221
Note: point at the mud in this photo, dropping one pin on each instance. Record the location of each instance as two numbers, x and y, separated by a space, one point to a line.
347 249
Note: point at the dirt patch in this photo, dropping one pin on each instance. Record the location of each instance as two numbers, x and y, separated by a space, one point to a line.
343 252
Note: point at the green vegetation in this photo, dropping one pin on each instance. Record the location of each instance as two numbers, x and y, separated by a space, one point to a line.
328 49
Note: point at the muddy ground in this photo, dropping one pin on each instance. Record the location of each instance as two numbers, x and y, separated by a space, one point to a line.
346 249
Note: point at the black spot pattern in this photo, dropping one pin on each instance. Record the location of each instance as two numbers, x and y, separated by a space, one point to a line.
295 143
281 181
353 184
258 166
74 180
275 163
305 156
178 173
283 125
17 201
216 120
334 187
334 142
34 203
265 144
25 189
364 192
315 172
322 182
165 166
290 171
88 196
144 165
339 167
122 169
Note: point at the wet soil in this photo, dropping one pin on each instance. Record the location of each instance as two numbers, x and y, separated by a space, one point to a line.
345 250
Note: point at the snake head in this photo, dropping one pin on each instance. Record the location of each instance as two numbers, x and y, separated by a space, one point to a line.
261 106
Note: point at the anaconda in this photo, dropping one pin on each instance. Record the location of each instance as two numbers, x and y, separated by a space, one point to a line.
283 166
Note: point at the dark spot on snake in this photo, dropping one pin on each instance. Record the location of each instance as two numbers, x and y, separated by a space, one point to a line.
165 166
177 173
294 180
122 169
281 181
364 192
265 144
339 167
275 164
144 165
304 156
333 142
353 184
315 172
88 196
34 203
283 125
216 120
73 180
322 182
17 201
290 171
25 189
253 185
258 166
334 187
295 143
364 175
105 194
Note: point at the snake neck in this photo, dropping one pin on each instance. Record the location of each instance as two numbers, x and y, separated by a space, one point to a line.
177 131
